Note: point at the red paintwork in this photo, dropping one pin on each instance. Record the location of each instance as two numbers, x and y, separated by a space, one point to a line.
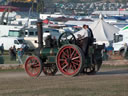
2 8
63 65
32 66
46 21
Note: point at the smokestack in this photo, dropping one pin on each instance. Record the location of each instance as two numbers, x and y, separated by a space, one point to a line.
40 34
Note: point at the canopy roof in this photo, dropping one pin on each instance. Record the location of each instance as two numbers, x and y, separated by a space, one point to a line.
103 31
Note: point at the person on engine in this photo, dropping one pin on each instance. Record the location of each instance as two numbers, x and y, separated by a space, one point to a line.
85 37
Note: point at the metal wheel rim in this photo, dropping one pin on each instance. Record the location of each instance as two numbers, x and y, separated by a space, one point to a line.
69 68
66 40
33 66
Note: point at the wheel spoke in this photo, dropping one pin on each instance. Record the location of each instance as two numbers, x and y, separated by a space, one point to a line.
64 66
78 61
75 58
37 69
72 53
71 67
75 63
68 52
36 65
65 54
33 61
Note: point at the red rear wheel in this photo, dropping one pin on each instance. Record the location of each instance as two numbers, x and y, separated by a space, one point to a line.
50 69
33 66
70 59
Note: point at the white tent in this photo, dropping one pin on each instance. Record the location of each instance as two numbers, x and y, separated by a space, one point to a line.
102 31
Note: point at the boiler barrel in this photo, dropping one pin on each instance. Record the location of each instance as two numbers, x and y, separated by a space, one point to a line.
48 52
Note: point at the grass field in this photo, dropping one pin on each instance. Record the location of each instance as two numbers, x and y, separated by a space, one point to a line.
7 60
109 81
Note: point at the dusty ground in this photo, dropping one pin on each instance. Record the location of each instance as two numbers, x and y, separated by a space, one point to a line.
111 81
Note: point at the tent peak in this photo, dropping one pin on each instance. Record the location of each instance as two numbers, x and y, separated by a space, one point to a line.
101 16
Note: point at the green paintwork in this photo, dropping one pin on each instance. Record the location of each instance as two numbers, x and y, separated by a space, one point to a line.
49 54
125 28
51 59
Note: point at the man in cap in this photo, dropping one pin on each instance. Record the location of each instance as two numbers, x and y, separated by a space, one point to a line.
85 37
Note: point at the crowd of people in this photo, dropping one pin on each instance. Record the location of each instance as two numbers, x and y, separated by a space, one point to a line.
14 54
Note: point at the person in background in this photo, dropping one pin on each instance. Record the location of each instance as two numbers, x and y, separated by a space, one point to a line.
54 42
20 55
79 41
11 53
14 52
48 41
24 47
2 49
91 38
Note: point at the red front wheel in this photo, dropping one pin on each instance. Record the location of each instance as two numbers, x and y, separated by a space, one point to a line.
33 66
70 60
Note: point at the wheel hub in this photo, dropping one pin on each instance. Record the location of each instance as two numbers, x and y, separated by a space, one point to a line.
69 60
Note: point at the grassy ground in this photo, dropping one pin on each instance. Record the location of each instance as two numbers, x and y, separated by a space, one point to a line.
12 70
7 60
109 81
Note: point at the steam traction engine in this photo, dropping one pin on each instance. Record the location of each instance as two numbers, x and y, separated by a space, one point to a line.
67 57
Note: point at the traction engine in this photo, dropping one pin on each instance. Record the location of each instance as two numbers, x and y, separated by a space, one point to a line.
67 57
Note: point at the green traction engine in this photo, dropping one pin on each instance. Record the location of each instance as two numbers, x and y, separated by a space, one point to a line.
67 57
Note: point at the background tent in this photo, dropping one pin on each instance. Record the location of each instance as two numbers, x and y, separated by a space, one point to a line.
103 31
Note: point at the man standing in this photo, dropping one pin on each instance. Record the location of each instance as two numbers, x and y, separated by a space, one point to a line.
2 48
85 36
91 38
20 55
14 52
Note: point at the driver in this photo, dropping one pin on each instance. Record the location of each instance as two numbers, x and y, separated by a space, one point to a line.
48 41
85 37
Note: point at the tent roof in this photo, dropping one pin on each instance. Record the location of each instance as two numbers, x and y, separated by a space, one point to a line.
103 31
